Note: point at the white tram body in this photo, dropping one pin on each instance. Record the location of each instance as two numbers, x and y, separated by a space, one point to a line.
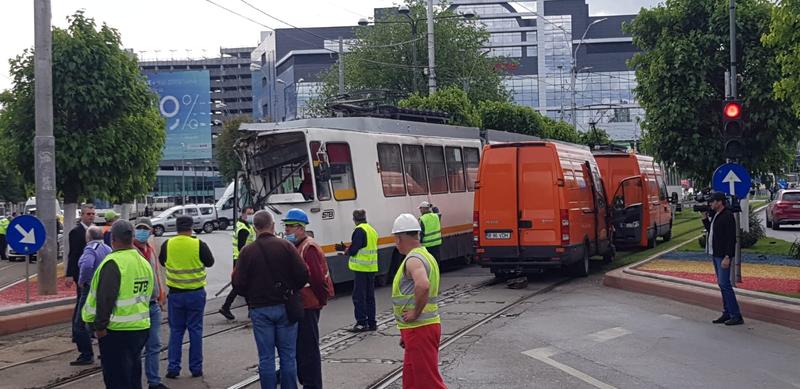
330 167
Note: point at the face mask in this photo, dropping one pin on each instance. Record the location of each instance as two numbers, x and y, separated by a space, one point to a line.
250 219
142 235
291 238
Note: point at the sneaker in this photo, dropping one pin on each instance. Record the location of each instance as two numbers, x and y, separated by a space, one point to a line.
734 321
81 362
721 319
373 328
359 328
227 313
159 386
172 375
197 374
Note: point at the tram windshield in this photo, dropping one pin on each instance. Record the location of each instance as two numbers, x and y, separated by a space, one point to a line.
280 169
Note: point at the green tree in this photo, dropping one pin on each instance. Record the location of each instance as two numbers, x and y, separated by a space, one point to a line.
505 116
227 160
784 37
109 134
451 100
593 137
680 84
381 57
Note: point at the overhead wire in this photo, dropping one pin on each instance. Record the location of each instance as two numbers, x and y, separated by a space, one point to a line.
240 15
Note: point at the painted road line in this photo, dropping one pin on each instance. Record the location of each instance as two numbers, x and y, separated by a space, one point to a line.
671 317
609 334
543 354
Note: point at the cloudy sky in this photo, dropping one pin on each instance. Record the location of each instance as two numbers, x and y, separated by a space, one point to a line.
194 28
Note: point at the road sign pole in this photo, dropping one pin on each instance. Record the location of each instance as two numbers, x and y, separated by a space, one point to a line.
27 279
737 260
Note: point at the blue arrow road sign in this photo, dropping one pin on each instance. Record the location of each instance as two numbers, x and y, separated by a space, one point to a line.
25 234
783 184
732 179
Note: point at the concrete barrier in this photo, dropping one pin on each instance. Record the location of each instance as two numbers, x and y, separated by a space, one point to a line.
29 320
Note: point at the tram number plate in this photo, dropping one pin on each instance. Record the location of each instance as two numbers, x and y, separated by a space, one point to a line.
327 214
498 235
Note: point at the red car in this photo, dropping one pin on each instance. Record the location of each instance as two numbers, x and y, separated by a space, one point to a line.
785 209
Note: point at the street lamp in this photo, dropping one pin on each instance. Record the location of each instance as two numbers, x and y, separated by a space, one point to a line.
406 11
574 68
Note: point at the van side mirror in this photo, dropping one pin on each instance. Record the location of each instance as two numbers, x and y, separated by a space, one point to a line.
674 199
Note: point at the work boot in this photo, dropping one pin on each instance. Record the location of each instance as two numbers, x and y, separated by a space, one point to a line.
722 319
197 374
227 313
359 328
734 321
172 375
159 386
81 362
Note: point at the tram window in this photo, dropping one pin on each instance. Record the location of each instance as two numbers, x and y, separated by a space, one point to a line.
434 158
391 167
323 188
472 161
455 168
341 167
416 176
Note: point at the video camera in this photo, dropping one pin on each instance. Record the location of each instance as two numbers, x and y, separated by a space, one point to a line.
703 200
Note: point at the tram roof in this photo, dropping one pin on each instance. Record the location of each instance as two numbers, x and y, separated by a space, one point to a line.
387 126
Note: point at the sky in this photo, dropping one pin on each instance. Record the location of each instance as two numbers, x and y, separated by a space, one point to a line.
197 28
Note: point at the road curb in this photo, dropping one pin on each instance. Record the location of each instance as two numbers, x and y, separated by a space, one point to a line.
24 321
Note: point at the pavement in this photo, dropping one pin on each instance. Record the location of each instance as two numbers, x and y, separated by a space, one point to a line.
788 233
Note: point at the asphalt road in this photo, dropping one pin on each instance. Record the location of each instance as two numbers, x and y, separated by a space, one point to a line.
788 233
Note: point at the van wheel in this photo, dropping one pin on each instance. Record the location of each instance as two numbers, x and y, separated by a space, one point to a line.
158 230
208 227
581 268
651 241
609 255
223 224
668 235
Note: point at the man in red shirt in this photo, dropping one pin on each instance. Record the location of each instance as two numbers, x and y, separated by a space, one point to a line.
315 295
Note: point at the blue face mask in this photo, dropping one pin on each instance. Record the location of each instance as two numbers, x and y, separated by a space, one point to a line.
142 235
250 219
291 238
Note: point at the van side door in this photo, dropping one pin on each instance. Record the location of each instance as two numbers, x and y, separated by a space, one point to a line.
628 210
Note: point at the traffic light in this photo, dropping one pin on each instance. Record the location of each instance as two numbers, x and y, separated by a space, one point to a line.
732 128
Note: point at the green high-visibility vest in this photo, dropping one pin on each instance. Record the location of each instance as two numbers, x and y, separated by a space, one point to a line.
251 237
4 226
132 310
366 259
184 269
402 302
433 230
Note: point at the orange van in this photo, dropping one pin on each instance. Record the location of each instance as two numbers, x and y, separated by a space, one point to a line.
637 194
539 205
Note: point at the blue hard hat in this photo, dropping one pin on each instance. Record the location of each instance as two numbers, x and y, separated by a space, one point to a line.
295 215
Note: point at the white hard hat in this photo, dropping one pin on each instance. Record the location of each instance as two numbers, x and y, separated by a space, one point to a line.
424 204
405 223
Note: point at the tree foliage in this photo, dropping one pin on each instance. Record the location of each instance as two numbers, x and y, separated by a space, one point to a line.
381 57
681 85
109 134
451 100
227 161
784 37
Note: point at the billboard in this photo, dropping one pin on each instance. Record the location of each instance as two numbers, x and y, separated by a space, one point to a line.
184 99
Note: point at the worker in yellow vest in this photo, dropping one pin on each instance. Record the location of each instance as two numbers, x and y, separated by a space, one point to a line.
363 262
4 222
118 309
415 304
185 259
243 234
431 235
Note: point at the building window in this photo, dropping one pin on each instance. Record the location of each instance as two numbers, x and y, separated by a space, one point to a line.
416 176
341 171
437 174
391 168
472 161
455 169
323 187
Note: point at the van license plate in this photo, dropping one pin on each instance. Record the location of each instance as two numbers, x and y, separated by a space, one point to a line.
498 235
796 206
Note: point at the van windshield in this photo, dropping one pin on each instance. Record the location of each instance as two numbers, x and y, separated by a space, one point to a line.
279 169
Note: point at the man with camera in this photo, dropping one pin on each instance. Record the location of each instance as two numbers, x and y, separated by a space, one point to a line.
721 246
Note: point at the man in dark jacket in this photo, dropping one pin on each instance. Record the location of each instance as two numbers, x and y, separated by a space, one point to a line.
77 242
721 246
266 270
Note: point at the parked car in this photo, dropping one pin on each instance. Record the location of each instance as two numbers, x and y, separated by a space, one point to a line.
204 216
785 209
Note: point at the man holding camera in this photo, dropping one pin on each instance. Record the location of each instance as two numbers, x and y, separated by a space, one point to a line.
721 246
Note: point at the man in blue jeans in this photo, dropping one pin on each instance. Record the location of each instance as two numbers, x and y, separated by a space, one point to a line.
721 246
266 270
185 259
94 253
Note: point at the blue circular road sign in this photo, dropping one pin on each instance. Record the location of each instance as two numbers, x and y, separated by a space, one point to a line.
732 179
26 234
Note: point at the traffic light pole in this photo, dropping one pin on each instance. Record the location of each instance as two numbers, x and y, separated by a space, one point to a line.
736 268
733 49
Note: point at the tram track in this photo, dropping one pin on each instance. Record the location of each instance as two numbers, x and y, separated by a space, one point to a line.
338 337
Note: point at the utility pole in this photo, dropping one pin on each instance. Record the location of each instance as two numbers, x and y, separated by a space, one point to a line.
736 269
414 70
431 52
45 146
341 66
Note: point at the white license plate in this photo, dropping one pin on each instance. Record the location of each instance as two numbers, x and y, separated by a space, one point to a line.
498 235
796 206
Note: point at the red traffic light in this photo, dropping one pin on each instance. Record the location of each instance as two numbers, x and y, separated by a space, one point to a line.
732 110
